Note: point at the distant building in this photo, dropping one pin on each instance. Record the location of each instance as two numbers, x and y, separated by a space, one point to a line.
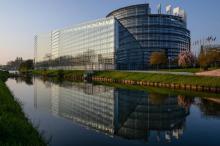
211 48
124 40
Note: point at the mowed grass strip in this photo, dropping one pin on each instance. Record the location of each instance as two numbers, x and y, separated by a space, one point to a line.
162 78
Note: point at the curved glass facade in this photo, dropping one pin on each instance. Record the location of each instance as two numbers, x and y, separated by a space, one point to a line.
124 40
153 32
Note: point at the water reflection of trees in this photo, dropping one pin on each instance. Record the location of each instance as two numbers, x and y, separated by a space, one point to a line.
157 99
185 101
28 80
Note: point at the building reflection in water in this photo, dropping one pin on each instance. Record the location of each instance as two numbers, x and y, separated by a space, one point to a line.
130 114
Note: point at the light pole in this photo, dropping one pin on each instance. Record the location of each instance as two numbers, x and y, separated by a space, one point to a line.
170 59
169 62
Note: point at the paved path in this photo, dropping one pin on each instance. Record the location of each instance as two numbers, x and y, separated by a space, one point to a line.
160 72
213 73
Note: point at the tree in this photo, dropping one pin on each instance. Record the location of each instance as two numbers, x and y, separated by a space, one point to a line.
26 65
158 58
186 59
14 64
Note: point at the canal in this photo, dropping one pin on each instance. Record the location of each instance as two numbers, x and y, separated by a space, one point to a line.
71 113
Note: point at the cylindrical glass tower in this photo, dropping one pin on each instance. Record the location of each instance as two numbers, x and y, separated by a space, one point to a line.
152 32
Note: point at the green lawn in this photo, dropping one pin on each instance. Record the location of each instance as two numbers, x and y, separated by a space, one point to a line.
15 128
163 78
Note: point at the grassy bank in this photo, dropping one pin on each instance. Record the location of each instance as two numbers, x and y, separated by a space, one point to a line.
15 128
162 78
120 75
4 76
135 76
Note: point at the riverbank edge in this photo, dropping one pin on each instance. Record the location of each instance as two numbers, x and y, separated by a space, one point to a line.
16 128
162 91
184 82
191 83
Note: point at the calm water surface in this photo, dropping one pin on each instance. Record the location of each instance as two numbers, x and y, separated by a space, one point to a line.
97 115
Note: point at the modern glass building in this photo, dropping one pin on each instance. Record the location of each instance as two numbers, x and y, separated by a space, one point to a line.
124 40
153 32
88 46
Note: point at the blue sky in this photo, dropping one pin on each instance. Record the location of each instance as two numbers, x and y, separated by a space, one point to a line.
22 19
